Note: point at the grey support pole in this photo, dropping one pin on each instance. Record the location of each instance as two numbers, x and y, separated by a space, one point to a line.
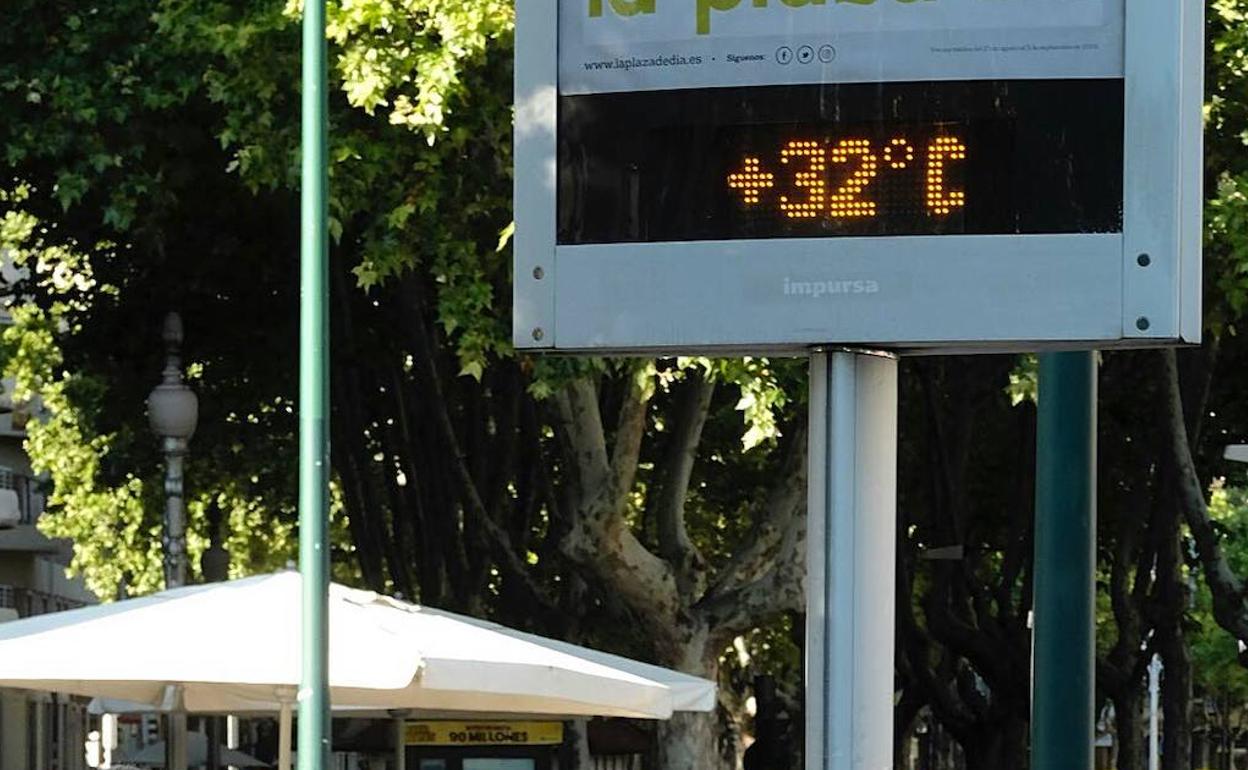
399 719
851 553
232 729
1063 640
176 736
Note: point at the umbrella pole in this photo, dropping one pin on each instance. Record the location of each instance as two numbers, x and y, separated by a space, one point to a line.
283 737
175 741
175 728
231 735
400 739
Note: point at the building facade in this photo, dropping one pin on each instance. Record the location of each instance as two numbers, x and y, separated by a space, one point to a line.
38 731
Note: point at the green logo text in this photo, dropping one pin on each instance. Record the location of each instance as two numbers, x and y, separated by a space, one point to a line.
622 7
706 8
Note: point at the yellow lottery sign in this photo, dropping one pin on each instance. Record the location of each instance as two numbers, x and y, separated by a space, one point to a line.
483 733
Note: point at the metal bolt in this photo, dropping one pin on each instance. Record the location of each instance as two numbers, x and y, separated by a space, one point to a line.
539 273
538 334
1144 260
1142 324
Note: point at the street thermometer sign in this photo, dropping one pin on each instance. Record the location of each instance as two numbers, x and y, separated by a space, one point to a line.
768 175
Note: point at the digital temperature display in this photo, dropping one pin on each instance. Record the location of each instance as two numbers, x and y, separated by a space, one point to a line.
975 157
832 179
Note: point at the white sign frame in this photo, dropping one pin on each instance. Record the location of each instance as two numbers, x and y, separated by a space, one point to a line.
916 293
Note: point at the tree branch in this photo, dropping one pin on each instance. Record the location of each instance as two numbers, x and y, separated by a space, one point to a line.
598 534
515 566
626 452
1229 607
915 647
581 422
786 501
668 500
782 588
955 632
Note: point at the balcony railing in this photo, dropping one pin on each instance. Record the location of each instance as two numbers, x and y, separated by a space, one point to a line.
29 603
31 502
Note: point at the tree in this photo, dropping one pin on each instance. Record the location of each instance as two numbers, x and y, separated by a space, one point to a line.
1221 681
653 507
469 477
964 646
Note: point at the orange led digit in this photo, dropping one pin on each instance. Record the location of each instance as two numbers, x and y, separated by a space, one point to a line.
845 201
811 179
939 200
899 153
751 180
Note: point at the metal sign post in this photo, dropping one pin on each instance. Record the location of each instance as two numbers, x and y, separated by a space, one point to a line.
314 398
851 550
1064 635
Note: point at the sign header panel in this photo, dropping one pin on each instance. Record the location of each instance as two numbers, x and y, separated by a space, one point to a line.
632 45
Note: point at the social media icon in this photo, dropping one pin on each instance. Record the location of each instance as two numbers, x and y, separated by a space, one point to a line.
784 55
827 54
805 54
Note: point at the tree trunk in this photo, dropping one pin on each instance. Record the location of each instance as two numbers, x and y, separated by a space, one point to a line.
1172 594
578 737
1226 759
1200 748
998 749
688 618
904 716
1129 737
692 741
688 741
1176 696
1176 683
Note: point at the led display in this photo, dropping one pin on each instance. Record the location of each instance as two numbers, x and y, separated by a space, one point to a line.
831 179
974 157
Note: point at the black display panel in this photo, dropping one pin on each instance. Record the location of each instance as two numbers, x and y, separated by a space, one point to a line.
975 157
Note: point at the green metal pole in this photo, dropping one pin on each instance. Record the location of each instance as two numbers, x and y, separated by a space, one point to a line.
314 398
1064 633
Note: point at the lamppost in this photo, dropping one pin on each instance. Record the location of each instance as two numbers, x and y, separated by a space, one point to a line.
173 411
214 565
